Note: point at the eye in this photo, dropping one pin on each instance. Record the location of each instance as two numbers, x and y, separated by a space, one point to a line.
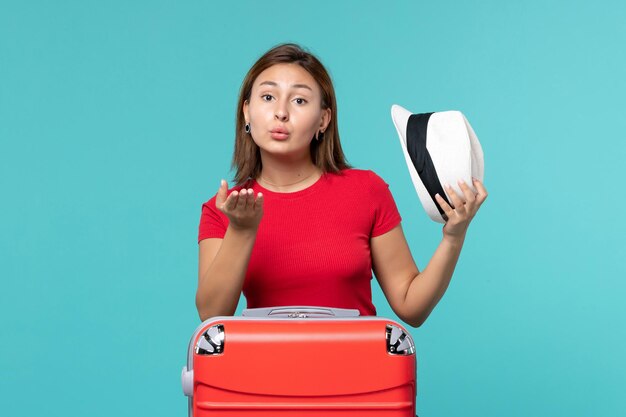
300 100
264 97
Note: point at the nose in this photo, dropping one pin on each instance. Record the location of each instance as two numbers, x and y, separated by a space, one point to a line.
281 112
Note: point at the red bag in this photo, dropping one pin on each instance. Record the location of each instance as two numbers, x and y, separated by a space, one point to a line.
300 361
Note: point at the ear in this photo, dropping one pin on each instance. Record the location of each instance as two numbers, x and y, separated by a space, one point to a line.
326 116
245 111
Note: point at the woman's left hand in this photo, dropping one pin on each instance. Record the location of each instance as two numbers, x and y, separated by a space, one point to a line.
464 208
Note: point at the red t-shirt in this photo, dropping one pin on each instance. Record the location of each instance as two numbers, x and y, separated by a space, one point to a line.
313 246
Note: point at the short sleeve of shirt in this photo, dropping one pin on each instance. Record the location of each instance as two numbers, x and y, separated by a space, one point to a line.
384 210
213 223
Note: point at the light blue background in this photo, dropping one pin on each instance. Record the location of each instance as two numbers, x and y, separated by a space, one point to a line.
116 123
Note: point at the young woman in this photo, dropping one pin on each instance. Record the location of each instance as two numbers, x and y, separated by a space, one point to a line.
301 227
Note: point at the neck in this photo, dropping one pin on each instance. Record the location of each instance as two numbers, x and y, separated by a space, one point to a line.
288 176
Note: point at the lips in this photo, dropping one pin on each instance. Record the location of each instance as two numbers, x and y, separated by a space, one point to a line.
279 133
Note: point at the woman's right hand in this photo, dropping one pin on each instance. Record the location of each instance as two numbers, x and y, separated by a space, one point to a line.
243 210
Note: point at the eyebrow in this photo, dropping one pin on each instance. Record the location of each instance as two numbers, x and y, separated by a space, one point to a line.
272 83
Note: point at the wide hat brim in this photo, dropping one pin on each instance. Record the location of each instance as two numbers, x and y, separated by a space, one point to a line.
451 153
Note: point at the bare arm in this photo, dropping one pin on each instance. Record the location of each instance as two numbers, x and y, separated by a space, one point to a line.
411 294
222 263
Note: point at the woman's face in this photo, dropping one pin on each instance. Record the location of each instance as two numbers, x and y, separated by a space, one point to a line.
284 111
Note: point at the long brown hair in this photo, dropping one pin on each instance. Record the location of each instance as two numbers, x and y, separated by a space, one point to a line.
326 153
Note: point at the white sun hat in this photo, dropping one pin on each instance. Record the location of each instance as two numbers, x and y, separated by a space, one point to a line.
440 149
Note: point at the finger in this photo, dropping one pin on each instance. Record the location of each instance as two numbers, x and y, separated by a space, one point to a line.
482 192
220 199
250 199
469 195
243 196
457 201
232 200
444 205
258 203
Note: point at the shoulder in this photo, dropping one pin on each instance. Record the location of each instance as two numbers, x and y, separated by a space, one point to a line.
364 177
357 183
353 174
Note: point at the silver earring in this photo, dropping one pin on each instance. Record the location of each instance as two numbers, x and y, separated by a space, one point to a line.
247 127
320 135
